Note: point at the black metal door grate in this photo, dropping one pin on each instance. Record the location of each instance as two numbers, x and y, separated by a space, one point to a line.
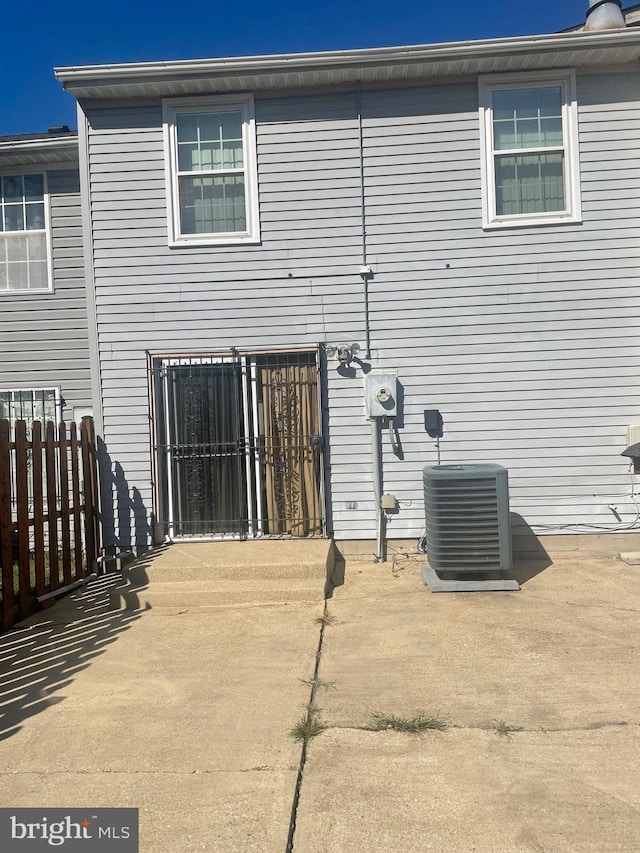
238 446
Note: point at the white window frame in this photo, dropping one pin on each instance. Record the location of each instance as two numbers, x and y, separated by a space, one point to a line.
566 80
242 103
47 228
41 390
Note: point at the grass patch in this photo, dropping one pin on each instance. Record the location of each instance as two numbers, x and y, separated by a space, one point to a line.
414 725
326 619
308 726
504 730
46 577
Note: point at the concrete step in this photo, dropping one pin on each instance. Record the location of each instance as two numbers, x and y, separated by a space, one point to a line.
266 557
194 574
208 594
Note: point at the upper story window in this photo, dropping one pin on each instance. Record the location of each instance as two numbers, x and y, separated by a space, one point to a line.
530 150
211 171
24 264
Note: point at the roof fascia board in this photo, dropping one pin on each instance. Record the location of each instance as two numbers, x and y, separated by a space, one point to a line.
97 75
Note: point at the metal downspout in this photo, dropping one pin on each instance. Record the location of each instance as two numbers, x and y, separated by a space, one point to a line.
364 269
377 489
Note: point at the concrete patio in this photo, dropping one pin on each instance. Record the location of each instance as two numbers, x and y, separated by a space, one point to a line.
183 708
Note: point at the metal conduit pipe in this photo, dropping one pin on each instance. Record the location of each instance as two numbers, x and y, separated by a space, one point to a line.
377 489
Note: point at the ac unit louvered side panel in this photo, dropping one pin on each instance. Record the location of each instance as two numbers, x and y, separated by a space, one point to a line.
467 518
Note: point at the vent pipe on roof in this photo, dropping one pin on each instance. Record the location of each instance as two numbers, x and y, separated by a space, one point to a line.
604 15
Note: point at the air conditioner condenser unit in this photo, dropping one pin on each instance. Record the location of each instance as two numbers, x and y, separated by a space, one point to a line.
468 533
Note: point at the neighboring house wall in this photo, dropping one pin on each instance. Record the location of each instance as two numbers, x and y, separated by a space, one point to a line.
43 335
526 339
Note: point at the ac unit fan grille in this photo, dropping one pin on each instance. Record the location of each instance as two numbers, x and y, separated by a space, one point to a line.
465 521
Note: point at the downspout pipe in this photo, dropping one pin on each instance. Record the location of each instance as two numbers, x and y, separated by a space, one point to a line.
377 489
68 588
365 269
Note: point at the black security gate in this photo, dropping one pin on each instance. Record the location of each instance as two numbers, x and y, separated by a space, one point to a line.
238 445
205 456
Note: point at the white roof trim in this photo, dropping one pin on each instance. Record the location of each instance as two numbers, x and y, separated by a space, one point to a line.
45 144
147 77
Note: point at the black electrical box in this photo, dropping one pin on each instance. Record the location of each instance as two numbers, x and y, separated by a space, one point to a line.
433 423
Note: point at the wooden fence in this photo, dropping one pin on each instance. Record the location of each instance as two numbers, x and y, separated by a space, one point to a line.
48 512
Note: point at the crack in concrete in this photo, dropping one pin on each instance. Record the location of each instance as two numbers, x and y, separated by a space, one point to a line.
303 753
268 768
584 604
589 727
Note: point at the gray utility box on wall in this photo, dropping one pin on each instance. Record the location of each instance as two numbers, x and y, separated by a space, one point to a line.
467 518
381 394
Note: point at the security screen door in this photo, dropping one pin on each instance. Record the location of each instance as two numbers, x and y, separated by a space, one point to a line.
238 446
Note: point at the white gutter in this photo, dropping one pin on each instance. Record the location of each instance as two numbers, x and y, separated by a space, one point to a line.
45 144
287 63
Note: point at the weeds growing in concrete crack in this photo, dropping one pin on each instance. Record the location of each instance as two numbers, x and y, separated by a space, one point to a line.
326 619
309 725
414 725
318 684
504 730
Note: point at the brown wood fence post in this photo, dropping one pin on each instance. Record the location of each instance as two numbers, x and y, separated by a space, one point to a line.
6 528
89 471
63 461
52 505
77 509
22 501
38 507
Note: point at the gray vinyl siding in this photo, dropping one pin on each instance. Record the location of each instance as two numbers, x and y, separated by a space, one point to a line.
43 336
526 339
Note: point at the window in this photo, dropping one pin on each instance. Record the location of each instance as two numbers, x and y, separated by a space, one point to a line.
24 262
211 171
34 405
530 150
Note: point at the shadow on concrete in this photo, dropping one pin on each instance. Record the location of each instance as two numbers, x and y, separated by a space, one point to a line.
42 655
529 555
335 577
135 579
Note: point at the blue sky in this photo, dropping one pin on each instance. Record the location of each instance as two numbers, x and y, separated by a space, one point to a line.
39 35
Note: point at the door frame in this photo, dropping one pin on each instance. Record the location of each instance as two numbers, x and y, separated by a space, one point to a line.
162 497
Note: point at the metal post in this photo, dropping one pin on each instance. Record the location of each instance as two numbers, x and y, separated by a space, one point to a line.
377 489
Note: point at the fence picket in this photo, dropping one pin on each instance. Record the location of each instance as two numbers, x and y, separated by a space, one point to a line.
6 527
52 504
76 504
63 458
38 508
21 478
90 483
